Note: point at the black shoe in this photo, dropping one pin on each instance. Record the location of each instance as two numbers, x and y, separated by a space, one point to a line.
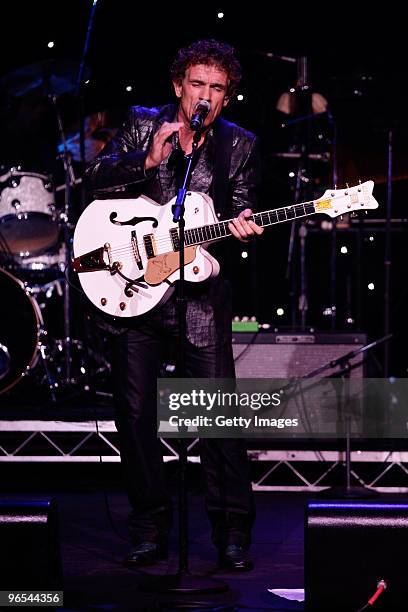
145 553
236 558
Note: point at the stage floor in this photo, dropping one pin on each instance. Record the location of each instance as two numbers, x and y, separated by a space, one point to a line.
93 547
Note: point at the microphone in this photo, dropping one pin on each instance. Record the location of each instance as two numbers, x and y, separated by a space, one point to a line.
200 112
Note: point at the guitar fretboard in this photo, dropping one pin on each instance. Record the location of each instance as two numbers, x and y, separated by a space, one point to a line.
215 231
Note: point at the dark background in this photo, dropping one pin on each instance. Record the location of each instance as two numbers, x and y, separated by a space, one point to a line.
357 61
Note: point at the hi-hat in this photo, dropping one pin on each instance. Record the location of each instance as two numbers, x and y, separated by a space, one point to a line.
56 77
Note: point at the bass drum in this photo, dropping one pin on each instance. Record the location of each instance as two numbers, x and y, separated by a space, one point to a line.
20 324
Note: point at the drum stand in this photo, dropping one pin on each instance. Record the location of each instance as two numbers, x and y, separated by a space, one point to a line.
65 221
44 351
43 346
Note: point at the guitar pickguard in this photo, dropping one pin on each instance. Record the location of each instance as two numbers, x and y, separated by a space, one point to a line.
162 266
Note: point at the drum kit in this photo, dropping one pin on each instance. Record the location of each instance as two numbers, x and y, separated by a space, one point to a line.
34 258
35 239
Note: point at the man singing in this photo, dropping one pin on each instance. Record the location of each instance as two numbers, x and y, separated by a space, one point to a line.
148 155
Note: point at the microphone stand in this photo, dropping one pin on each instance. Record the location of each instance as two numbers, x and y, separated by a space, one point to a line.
183 582
387 254
343 399
302 88
80 96
333 256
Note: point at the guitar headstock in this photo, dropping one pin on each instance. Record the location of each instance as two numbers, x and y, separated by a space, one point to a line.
335 202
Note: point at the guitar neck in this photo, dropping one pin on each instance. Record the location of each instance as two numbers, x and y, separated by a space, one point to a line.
217 231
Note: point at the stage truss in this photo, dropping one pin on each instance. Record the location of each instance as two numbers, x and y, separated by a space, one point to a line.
272 470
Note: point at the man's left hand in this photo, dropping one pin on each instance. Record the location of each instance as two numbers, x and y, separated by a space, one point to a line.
242 228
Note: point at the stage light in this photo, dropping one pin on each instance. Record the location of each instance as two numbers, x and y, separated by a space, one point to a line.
244 254
51 44
326 225
87 82
291 174
129 88
350 320
220 15
292 90
280 312
344 250
371 286
371 238
240 97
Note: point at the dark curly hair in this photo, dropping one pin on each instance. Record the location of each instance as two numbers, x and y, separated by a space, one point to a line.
211 53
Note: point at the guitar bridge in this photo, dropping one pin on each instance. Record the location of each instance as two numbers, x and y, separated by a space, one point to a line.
135 249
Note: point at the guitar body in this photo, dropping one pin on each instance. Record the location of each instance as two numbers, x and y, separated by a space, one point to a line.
130 240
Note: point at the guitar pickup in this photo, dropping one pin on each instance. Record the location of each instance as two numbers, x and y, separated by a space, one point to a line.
135 249
175 240
150 245
91 262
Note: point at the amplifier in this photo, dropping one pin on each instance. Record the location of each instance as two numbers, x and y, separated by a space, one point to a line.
286 355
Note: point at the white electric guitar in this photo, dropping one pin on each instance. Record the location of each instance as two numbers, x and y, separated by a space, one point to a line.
126 252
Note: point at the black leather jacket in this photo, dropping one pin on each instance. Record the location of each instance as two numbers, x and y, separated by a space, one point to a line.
118 171
120 166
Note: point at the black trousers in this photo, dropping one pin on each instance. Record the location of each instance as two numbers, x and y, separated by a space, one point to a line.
137 357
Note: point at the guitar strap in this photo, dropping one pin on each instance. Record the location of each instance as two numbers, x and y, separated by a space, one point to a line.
223 138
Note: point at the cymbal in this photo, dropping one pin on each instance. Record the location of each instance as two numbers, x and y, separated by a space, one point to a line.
54 76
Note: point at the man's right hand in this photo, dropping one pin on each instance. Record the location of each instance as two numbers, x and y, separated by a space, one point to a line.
161 146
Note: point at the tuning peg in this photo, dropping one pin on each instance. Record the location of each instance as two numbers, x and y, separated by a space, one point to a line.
347 185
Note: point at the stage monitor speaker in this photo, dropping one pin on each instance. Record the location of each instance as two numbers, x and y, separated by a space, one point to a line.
350 545
29 546
286 355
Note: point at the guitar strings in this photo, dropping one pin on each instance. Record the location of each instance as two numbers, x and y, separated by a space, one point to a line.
159 238
163 240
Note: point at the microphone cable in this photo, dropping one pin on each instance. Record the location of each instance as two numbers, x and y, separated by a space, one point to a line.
381 587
